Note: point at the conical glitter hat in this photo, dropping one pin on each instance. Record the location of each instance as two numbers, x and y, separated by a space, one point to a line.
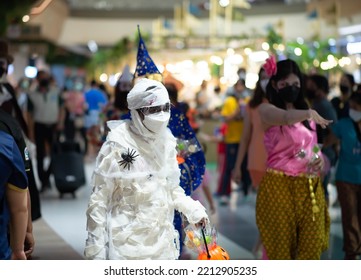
146 67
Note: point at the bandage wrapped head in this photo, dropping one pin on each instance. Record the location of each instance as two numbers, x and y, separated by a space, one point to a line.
149 106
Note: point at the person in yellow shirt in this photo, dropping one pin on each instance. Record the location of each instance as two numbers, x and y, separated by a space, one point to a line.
232 113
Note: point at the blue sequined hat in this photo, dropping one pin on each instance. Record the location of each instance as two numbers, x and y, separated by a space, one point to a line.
145 66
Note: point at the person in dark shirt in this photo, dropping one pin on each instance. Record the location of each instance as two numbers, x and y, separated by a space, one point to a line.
13 200
340 103
12 122
317 91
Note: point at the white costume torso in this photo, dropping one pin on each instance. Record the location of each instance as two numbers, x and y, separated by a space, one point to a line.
131 208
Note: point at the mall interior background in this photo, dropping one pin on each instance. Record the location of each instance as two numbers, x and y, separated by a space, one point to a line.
193 40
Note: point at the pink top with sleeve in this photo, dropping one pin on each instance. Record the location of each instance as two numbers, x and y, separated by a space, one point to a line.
289 148
257 155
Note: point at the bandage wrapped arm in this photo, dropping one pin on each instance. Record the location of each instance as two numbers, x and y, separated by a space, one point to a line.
97 242
103 182
192 209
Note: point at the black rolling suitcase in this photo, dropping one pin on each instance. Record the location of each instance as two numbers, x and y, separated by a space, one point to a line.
67 163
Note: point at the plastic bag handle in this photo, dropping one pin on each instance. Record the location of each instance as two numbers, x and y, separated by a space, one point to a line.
205 243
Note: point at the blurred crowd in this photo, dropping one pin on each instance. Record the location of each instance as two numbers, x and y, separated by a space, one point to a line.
80 112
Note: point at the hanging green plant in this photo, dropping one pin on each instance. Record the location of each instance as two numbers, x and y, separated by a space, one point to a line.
273 38
113 55
12 12
119 50
312 54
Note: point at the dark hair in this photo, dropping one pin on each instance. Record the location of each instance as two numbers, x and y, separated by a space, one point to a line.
102 87
241 81
356 98
120 98
284 69
172 92
321 82
93 83
241 69
258 93
350 78
41 73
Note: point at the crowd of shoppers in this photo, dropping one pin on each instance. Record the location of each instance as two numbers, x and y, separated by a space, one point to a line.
281 140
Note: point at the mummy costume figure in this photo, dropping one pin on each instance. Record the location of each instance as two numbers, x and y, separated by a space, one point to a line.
136 184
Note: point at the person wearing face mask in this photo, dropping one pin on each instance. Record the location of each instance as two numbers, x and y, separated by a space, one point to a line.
347 133
232 113
136 184
317 89
46 116
340 103
8 100
252 141
291 206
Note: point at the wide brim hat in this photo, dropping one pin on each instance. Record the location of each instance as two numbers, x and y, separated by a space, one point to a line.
4 51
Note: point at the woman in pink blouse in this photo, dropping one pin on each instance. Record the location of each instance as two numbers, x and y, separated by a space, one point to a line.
291 211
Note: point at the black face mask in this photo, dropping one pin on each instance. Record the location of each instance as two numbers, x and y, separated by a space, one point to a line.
289 94
344 89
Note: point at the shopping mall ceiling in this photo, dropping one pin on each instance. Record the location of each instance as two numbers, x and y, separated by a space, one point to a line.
153 8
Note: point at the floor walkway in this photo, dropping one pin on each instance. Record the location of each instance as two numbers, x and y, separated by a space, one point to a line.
61 232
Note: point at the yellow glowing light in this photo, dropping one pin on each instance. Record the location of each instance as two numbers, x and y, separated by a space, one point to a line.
170 67
344 61
247 51
330 57
230 51
224 3
103 77
298 51
324 65
216 60
358 60
265 46
26 18
237 59
202 64
281 47
223 80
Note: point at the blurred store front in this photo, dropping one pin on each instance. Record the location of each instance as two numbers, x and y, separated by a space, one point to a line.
193 40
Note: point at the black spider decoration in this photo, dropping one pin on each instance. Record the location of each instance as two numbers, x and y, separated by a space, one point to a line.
128 158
